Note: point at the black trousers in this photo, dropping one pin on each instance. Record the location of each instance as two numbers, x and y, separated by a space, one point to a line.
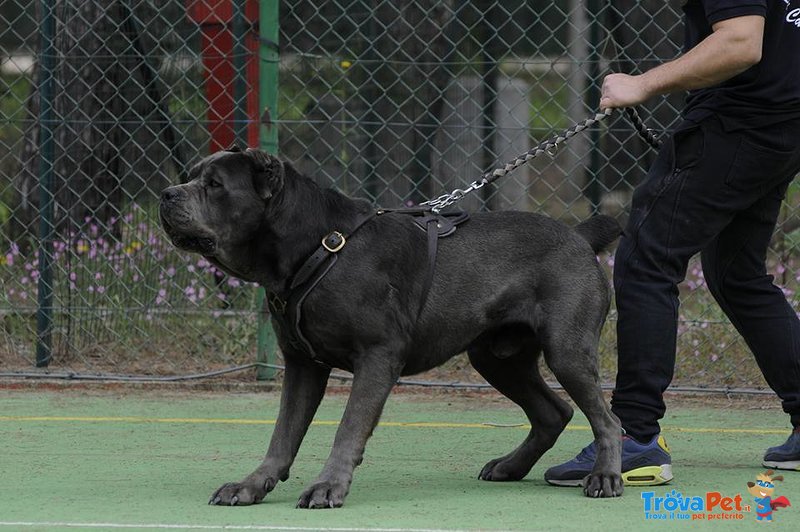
716 193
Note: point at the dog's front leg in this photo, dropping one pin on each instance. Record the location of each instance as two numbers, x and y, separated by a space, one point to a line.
303 388
372 382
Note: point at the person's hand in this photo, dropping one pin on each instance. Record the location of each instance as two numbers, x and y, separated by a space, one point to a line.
622 90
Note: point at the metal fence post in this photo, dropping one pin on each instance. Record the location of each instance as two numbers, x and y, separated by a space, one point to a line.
44 312
268 137
489 75
240 84
593 189
372 94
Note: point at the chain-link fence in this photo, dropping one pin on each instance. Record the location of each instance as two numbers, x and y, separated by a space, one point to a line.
104 103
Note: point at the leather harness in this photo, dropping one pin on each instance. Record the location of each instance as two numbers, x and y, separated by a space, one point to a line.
287 310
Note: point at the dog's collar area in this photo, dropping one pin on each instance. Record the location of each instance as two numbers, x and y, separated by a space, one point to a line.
331 244
288 310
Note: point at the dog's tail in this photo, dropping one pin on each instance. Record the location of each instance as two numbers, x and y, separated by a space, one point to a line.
599 231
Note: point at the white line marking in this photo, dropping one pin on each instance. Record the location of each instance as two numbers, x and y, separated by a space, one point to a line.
50 524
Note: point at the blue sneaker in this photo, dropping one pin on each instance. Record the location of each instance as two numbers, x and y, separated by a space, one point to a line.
786 456
642 464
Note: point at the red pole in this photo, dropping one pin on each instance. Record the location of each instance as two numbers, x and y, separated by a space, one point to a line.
217 48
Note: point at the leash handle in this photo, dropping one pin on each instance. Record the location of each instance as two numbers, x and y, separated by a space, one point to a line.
641 128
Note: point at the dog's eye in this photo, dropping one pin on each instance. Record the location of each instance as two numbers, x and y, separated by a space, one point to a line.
214 184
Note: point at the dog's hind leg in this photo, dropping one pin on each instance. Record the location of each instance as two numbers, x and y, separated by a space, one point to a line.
518 378
571 353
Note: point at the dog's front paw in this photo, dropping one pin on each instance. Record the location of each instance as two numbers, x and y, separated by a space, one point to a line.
238 494
603 485
502 469
323 494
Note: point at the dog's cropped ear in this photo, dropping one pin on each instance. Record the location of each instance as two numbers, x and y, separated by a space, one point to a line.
235 148
269 172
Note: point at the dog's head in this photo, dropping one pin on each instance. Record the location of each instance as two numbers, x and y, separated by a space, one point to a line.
223 205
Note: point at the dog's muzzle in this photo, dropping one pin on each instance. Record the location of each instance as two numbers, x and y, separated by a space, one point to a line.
179 225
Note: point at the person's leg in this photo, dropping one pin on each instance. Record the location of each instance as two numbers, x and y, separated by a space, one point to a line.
650 261
674 215
735 270
646 273
702 178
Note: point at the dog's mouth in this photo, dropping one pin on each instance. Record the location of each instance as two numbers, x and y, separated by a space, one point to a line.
202 244
197 244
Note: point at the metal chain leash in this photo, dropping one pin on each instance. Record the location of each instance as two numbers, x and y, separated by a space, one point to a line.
547 146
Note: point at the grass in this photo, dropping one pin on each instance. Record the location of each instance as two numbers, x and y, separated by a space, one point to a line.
134 458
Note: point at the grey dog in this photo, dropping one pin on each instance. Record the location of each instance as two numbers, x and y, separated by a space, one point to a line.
507 286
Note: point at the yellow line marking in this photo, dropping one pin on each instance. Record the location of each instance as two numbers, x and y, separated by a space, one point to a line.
326 423
225 421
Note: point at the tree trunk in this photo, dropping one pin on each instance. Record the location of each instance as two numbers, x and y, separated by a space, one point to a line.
404 97
111 132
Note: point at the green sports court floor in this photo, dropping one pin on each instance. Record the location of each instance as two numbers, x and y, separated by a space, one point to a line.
91 459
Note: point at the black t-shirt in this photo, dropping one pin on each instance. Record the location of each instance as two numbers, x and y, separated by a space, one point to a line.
764 94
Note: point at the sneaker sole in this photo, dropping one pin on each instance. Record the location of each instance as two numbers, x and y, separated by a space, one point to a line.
788 466
568 483
642 476
648 476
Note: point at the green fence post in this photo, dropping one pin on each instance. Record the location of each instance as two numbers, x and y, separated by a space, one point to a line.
268 137
594 190
44 312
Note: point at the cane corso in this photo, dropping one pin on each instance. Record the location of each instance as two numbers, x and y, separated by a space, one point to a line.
505 287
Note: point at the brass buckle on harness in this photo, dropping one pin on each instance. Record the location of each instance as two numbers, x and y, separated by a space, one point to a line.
337 244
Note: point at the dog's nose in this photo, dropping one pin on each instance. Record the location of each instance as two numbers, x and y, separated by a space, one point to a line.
169 194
